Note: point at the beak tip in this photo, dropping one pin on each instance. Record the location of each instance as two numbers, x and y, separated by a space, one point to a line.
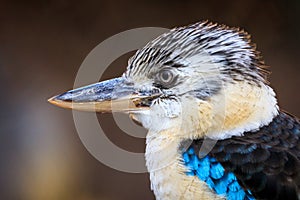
52 100
60 103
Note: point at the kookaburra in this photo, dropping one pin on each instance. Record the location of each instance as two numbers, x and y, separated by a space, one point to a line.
197 84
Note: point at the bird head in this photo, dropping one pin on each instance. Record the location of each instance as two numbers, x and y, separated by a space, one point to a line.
200 80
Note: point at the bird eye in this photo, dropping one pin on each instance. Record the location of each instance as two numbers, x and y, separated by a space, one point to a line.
166 76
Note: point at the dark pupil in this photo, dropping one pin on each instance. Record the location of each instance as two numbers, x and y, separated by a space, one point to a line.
165 76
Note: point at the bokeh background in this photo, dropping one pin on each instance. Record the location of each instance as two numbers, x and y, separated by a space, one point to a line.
43 43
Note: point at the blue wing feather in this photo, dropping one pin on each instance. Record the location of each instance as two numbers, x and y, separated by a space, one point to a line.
212 172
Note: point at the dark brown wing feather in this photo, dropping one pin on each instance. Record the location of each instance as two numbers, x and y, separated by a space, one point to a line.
266 162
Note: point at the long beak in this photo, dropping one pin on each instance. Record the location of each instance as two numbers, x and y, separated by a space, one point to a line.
113 95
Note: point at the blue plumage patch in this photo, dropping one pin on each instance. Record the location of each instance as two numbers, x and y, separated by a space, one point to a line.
209 170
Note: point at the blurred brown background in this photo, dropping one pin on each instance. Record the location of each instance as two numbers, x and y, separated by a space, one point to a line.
42 44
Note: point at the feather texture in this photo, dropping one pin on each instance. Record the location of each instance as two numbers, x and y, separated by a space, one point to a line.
265 162
209 170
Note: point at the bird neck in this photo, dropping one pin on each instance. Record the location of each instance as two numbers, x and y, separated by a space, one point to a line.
240 107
